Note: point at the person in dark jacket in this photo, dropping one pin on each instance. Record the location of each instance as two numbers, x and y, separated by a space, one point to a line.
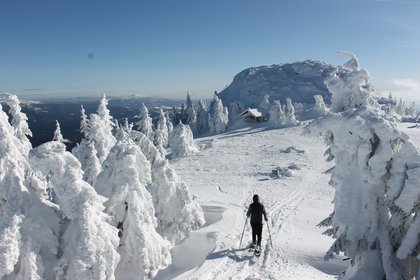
256 211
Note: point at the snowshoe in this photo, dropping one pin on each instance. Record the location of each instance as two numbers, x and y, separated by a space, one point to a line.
257 251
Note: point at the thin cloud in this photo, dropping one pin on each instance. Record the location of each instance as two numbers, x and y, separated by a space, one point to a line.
407 89
408 84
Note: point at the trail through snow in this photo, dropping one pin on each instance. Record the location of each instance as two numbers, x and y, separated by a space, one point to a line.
229 169
224 176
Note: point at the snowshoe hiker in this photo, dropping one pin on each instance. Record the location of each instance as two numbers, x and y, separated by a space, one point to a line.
256 211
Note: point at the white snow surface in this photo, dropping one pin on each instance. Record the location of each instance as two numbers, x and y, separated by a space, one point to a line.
229 169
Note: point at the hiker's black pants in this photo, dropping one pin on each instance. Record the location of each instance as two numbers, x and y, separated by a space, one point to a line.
256 233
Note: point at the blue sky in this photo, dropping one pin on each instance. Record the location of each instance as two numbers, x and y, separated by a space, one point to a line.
166 48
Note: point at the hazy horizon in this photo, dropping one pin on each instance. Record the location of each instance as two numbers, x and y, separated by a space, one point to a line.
167 48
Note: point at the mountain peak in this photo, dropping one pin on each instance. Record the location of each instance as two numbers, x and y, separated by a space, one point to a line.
299 81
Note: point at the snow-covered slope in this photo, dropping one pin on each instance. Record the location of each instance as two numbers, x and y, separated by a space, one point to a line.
299 81
229 169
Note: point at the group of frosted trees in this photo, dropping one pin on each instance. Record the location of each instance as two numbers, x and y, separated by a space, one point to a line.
112 207
376 177
203 120
178 140
283 115
215 118
398 108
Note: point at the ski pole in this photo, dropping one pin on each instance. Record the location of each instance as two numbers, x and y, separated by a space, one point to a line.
268 228
240 243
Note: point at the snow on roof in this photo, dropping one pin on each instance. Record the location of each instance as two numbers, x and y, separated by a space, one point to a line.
253 112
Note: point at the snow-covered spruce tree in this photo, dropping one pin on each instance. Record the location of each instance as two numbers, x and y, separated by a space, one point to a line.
97 141
124 178
183 114
100 131
202 118
176 212
86 153
145 125
88 242
174 115
265 104
169 123
19 120
28 224
84 122
191 115
376 221
57 133
79 151
400 109
218 117
319 107
411 111
161 140
290 113
277 115
92 165
235 110
182 142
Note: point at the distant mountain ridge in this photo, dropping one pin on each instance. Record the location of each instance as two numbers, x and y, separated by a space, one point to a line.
299 81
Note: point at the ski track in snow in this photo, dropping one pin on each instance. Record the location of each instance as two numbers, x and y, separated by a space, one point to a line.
225 175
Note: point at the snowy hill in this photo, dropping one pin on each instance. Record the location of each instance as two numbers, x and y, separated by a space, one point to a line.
299 81
229 169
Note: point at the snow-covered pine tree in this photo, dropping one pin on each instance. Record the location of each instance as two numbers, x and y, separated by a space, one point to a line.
265 104
174 115
217 116
161 140
412 111
145 125
400 109
319 106
182 142
176 212
277 115
19 120
376 177
191 115
84 122
97 140
202 115
28 225
88 242
57 133
290 113
100 130
169 123
235 110
127 127
123 180
92 165
183 114
86 152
